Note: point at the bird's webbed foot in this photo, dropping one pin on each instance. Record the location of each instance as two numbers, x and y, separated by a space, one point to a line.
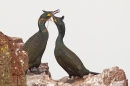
71 79
35 70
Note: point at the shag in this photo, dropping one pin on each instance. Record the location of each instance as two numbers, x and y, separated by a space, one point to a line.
66 58
36 44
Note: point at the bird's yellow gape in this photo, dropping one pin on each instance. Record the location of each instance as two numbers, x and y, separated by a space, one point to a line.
55 20
49 14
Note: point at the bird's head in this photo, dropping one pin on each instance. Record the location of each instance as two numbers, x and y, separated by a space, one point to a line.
47 15
60 24
58 20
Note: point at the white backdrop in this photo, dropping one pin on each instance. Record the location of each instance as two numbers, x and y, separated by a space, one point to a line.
97 31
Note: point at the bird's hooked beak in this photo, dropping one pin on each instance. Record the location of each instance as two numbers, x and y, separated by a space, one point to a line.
56 11
52 14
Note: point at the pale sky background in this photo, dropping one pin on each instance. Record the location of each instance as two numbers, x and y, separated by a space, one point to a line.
98 31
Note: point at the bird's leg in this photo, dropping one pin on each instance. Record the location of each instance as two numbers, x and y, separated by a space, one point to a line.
72 78
69 77
77 77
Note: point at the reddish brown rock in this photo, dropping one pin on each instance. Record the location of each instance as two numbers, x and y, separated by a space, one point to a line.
13 61
109 77
17 40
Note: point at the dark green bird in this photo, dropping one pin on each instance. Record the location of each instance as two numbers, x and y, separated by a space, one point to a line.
36 44
67 59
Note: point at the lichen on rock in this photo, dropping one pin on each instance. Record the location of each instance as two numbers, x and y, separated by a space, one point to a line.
11 67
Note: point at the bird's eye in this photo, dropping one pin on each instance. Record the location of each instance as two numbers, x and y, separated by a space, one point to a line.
49 14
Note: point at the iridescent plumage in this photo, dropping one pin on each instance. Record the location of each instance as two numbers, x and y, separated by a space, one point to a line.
66 58
36 44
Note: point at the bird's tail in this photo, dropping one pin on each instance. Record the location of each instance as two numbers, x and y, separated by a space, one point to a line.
95 73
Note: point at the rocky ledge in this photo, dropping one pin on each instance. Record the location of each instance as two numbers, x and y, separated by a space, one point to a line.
13 63
109 77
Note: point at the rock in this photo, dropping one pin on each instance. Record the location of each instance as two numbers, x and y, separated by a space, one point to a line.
23 57
64 79
39 80
109 77
43 68
13 61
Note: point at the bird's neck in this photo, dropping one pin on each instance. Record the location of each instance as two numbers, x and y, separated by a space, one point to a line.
42 27
61 30
59 39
